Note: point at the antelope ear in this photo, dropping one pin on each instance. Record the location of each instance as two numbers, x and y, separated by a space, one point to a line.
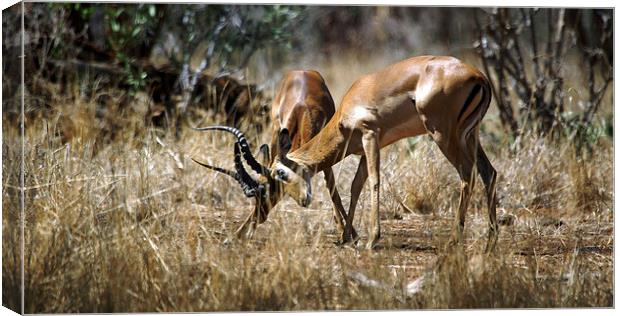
263 153
284 141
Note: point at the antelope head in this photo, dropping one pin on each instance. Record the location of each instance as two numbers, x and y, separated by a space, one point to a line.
270 184
290 177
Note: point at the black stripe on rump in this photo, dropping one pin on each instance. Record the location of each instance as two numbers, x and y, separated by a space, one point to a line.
470 97
480 109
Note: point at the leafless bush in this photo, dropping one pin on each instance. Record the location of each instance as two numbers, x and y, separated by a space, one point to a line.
525 52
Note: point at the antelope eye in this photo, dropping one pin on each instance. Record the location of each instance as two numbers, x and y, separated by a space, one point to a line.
281 175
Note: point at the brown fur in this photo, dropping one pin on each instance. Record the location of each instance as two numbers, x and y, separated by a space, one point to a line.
420 95
302 106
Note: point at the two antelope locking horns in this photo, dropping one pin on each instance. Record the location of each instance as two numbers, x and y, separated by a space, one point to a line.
436 95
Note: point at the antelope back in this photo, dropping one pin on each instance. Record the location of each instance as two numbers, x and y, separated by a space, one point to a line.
299 111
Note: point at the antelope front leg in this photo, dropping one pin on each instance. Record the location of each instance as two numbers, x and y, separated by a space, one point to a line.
339 213
370 143
246 230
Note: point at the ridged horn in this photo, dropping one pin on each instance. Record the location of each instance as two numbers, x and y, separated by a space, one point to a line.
243 144
250 186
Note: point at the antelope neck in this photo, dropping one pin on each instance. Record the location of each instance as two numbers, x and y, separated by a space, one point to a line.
322 151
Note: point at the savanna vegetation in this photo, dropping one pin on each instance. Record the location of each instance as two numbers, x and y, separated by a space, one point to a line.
117 218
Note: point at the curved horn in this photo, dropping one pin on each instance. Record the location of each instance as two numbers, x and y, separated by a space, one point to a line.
243 144
218 169
248 184
245 176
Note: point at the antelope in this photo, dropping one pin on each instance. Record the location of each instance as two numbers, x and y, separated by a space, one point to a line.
299 111
436 95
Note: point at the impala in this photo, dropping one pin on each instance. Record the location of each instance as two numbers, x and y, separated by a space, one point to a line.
436 95
299 111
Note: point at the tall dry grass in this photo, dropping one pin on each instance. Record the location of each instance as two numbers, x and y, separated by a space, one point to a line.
129 223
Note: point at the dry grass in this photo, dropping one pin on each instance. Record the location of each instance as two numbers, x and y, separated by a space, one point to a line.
132 224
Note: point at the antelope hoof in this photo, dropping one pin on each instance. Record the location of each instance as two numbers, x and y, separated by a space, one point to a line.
351 241
348 236
354 235
371 245
343 240
244 233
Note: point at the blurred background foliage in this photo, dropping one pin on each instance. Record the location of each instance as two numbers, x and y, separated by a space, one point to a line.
184 56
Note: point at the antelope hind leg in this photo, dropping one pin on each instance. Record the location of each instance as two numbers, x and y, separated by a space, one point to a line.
489 175
463 159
